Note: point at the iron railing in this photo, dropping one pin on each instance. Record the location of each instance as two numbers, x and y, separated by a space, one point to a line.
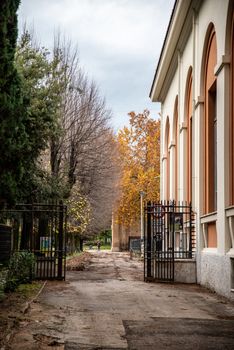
169 236
41 230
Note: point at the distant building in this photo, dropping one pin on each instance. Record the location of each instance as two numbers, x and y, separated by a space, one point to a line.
194 81
123 237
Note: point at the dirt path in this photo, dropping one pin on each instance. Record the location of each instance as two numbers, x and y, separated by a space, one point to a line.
108 306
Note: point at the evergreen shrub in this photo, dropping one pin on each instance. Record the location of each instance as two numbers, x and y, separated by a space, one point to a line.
20 270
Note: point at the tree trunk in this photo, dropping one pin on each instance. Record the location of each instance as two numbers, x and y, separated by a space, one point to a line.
16 228
26 233
81 244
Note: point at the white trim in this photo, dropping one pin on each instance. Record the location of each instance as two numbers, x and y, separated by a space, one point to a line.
211 217
230 253
210 250
200 101
230 217
183 126
177 33
205 220
231 228
219 66
204 234
230 211
172 144
173 34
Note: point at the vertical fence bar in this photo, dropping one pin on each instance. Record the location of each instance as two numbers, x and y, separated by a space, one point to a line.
65 241
51 242
48 246
60 245
55 241
31 230
149 254
173 244
190 230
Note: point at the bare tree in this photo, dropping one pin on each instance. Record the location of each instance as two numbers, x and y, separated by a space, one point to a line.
83 151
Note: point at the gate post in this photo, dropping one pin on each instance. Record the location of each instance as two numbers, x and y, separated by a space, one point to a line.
148 252
60 246
190 230
173 242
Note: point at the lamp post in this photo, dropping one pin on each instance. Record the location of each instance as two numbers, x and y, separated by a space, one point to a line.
142 194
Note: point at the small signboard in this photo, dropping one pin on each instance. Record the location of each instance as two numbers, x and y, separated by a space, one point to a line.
176 222
135 244
45 243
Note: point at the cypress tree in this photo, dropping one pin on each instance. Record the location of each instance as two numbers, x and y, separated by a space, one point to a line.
11 105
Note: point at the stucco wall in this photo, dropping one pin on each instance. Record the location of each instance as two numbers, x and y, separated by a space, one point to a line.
121 234
215 273
213 269
185 271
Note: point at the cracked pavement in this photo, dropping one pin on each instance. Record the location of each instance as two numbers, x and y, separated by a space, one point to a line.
108 306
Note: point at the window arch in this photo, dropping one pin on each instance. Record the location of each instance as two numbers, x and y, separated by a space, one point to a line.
210 125
188 118
167 154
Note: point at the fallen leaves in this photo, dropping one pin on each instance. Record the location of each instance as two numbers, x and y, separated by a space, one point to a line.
79 263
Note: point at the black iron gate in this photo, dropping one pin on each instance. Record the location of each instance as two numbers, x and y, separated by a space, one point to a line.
169 235
40 229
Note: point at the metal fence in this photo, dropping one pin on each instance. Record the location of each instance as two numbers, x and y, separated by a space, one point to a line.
40 229
169 236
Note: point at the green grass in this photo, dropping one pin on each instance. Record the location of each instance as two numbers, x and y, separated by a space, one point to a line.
29 289
94 247
106 247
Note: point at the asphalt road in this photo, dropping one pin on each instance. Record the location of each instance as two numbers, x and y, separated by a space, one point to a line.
108 306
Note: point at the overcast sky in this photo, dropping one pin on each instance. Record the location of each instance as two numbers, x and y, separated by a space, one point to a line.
119 44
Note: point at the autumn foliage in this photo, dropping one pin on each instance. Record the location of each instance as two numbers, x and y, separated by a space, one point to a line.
139 158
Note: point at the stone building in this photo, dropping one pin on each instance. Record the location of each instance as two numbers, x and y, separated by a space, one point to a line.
123 237
194 82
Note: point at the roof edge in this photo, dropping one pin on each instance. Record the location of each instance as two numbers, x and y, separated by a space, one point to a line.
177 19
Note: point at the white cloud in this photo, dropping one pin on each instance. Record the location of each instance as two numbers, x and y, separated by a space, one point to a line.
119 41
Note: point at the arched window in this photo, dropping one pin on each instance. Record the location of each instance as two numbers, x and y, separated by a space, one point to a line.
210 126
176 139
189 113
167 153
232 113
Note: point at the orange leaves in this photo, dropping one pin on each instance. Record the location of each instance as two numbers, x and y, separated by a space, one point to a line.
139 157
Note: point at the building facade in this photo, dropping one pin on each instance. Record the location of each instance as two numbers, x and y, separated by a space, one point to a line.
194 81
123 236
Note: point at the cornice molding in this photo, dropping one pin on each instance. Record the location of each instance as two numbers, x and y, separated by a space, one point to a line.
177 35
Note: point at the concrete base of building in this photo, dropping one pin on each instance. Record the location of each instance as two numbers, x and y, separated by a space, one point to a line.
185 271
115 249
217 273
